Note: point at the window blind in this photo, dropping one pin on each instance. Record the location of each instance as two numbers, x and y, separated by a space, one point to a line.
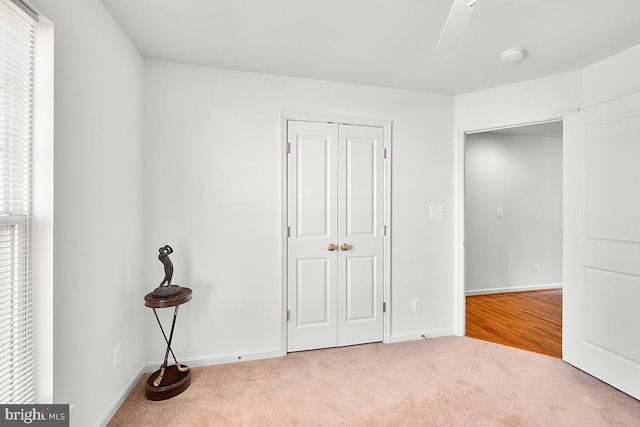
17 33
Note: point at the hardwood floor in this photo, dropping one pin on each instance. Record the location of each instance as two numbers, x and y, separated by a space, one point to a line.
528 320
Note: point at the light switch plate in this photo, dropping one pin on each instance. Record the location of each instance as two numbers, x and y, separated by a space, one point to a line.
436 212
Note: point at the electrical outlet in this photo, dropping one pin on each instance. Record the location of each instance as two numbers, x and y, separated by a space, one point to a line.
417 304
117 354
536 269
436 212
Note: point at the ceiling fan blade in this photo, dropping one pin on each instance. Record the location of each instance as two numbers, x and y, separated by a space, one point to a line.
459 15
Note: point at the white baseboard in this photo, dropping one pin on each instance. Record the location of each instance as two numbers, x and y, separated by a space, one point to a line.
220 359
513 289
121 398
416 335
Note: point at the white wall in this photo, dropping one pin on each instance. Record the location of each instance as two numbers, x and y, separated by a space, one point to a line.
522 175
42 256
98 287
519 103
214 153
613 77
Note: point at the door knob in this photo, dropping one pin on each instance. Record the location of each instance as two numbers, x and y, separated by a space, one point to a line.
344 247
331 247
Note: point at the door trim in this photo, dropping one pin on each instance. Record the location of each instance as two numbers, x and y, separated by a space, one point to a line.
387 126
460 132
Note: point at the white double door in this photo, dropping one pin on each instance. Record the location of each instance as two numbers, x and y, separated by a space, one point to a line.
336 235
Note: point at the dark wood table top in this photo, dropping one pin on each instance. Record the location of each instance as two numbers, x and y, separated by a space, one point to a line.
155 302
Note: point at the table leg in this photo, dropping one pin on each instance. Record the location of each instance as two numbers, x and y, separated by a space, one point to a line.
178 365
157 381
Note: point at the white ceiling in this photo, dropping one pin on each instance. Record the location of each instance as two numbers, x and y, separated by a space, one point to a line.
389 43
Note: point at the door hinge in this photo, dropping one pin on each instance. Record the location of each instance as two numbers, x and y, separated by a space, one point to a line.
384 229
384 307
288 231
288 315
384 153
288 148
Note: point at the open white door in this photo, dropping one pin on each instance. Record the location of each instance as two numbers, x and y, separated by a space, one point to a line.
602 242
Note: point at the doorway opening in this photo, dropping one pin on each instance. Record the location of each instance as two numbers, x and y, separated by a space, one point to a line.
513 236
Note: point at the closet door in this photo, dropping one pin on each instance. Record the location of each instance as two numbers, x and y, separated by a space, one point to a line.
312 217
336 240
360 234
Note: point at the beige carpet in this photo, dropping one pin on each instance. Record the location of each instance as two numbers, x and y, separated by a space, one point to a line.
452 381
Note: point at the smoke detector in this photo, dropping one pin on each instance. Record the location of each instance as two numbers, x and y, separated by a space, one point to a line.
512 55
